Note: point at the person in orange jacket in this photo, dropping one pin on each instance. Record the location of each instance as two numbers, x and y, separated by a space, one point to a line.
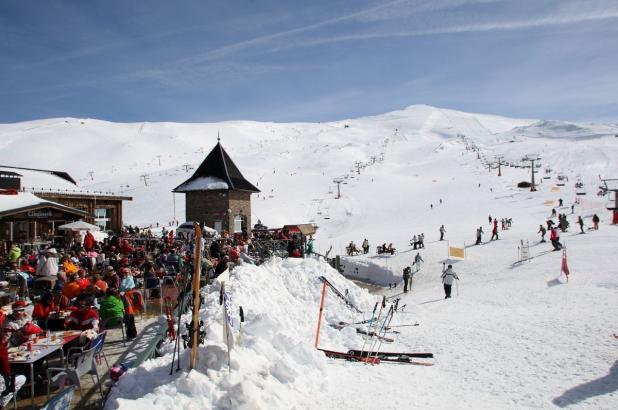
72 289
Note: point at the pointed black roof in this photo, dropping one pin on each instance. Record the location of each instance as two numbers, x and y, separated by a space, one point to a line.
218 166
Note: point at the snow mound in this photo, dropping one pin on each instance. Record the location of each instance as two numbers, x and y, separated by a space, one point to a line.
274 362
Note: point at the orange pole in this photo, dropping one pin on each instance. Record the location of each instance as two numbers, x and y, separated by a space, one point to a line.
317 333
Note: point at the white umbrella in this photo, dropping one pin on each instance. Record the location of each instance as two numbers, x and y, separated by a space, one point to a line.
79 226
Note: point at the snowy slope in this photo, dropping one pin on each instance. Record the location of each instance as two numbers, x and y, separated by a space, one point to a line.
515 337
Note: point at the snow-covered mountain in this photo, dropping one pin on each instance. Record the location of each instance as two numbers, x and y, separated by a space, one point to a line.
409 159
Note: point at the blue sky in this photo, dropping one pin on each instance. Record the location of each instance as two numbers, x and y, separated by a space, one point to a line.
287 60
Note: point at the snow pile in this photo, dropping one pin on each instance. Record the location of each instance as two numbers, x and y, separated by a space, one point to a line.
274 365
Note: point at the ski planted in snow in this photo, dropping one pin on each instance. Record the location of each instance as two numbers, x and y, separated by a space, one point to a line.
169 314
197 268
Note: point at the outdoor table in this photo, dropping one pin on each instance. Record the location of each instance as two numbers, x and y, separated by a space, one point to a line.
40 350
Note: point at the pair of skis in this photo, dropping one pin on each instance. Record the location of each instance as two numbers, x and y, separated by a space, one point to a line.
412 358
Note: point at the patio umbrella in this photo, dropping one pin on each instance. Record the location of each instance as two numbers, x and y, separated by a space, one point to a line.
79 226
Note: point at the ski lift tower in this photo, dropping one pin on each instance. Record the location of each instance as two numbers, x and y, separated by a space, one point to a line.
338 181
611 186
532 158
499 158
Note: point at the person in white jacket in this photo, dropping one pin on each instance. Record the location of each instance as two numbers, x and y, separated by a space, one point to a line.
47 264
448 276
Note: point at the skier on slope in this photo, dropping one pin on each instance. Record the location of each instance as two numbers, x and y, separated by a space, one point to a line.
542 231
580 222
442 231
479 235
406 278
494 232
418 260
555 239
595 222
448 276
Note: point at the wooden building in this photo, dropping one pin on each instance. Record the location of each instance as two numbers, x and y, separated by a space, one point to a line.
59 189
218 195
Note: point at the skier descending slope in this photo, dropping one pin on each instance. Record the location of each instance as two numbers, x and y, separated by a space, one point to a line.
448 276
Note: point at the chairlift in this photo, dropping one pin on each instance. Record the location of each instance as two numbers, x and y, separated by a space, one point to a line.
561 180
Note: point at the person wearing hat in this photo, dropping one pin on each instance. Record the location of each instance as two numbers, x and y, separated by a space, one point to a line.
85 317
18 327
448 276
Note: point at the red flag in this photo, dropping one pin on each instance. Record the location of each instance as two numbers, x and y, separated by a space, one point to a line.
565 266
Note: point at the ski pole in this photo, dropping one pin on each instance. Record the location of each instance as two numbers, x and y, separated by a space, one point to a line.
457 286
373 317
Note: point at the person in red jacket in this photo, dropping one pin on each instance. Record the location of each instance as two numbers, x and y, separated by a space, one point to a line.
43 308
555 239
89 242
85 317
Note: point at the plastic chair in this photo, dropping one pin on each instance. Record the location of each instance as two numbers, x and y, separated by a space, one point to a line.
18 384
84 364
115 322
97 344
61 401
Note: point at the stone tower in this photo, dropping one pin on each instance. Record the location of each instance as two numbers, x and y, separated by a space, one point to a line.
218 195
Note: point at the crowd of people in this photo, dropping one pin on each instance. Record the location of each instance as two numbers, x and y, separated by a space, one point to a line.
90 286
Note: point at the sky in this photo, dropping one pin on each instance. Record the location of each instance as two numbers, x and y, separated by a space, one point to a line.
319 60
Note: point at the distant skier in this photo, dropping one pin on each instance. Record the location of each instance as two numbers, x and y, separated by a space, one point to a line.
414 242
573 208
442 232
494 231
421 240
406 278
555 239
580 222
560 202
448 276
553 212
479 235
595 222
542 231
365 246
490 219
440 201
418 260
